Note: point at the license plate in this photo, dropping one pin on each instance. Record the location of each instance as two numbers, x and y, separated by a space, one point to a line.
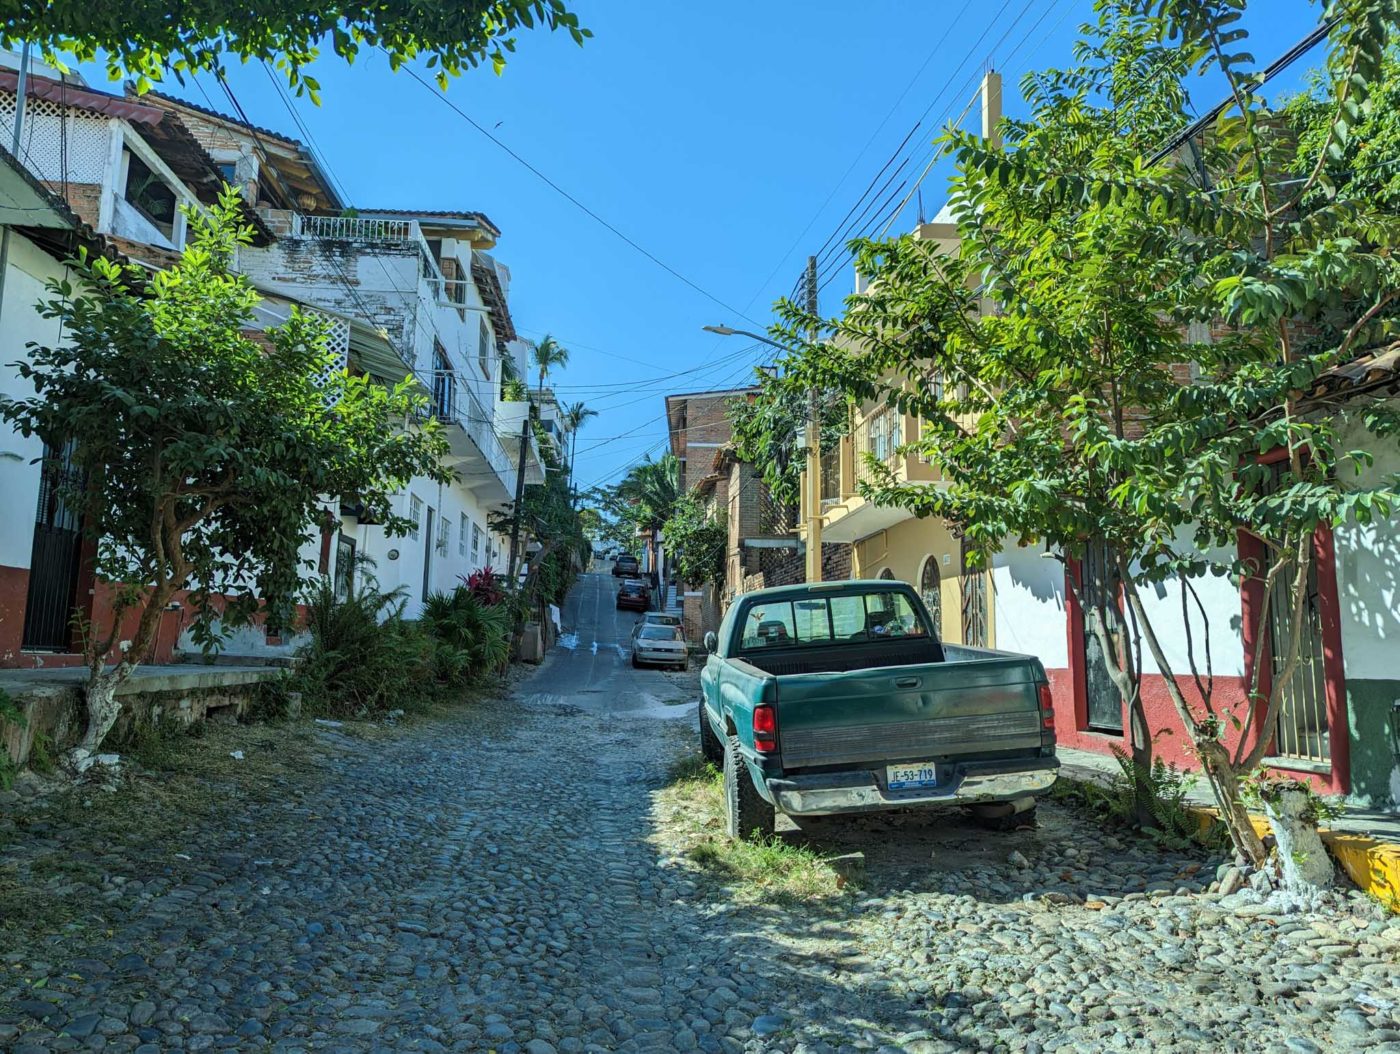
911 775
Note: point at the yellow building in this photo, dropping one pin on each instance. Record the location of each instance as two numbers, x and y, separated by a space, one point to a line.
891 542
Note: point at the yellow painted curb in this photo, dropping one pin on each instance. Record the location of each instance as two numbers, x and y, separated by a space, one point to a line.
1373 865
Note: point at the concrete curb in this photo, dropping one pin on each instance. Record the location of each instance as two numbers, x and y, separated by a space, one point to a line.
1372 864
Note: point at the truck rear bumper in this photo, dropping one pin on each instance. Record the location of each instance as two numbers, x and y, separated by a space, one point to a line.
824 794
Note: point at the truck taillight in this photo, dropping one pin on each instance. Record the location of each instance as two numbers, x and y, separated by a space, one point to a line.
1047 709
765 728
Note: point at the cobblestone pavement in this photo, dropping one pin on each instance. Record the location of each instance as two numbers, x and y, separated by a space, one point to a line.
499 880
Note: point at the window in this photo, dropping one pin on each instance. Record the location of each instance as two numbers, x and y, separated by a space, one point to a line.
655 632
884 433
462 530
863 617
444 528
228 171
444 384
476 541
415 513
150 195
483 348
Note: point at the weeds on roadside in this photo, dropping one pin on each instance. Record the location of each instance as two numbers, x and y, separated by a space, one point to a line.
9 714
1164 787
151 746
770 870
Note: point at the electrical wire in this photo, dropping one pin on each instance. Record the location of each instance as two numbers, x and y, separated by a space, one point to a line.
573 200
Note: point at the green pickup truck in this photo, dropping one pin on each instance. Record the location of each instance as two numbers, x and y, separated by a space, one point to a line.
838 697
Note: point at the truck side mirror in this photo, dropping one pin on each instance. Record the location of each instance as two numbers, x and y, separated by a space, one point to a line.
711 642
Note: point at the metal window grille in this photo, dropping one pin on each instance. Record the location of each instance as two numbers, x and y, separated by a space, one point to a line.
1302 731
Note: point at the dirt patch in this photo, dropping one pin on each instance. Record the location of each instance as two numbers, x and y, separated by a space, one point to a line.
63 845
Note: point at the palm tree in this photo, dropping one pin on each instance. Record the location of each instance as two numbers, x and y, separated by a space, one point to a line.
548 354
652 490
574 414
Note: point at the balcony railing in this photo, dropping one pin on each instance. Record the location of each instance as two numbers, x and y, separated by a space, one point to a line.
457 405
355 229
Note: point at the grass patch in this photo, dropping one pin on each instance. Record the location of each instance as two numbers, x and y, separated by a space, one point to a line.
690 814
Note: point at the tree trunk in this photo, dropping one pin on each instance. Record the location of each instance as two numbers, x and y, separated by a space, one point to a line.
1141 742
1303 858
103 707
1224 780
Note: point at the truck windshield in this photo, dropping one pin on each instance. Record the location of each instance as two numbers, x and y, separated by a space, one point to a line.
853 618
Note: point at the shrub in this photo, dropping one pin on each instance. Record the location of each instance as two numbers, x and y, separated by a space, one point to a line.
470 637
485 584
363 657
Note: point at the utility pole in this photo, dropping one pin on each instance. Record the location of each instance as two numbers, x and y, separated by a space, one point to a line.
519 497
814 449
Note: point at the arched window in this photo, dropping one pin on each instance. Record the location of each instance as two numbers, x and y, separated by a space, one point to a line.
929 589
887 575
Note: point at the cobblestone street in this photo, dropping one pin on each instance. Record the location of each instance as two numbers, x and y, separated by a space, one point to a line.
502 879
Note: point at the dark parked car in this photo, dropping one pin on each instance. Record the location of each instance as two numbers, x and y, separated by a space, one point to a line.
625 565
633 594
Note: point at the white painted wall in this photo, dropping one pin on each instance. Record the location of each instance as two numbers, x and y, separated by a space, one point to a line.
19 324
1220 597
1368 572
1029 604
448 568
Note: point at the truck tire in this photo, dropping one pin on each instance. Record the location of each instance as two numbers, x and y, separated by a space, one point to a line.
711 749
746 814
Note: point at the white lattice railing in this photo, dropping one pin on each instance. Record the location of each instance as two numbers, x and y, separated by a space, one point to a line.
355 229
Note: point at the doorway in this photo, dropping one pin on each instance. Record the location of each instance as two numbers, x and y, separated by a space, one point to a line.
56 556
429 533
1098 591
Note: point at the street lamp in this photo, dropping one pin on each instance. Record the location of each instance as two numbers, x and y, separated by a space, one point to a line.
814 435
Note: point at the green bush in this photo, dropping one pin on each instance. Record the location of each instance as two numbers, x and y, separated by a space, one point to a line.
363 656
470 638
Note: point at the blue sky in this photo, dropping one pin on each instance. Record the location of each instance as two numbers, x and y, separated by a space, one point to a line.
728 138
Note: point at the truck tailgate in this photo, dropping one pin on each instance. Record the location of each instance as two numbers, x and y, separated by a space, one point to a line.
897 713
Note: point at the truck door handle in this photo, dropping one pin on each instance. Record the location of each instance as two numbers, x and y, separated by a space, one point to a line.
907 682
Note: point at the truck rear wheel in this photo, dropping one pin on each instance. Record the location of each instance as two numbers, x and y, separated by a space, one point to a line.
746 814
711 749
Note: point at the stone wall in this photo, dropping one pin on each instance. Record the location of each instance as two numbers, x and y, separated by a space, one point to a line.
162 696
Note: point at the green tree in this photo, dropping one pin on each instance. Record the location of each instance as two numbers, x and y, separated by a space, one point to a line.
1062 327
547 515
208 457
698 541
149 40
767 432
547 356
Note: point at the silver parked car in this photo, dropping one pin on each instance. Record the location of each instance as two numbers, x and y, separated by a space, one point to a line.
660 644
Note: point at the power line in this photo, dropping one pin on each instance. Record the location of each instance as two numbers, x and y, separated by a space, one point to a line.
919 123
839 262
575 201
863 150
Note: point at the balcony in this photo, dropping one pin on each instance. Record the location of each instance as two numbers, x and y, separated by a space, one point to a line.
509 415
879 433
476 451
